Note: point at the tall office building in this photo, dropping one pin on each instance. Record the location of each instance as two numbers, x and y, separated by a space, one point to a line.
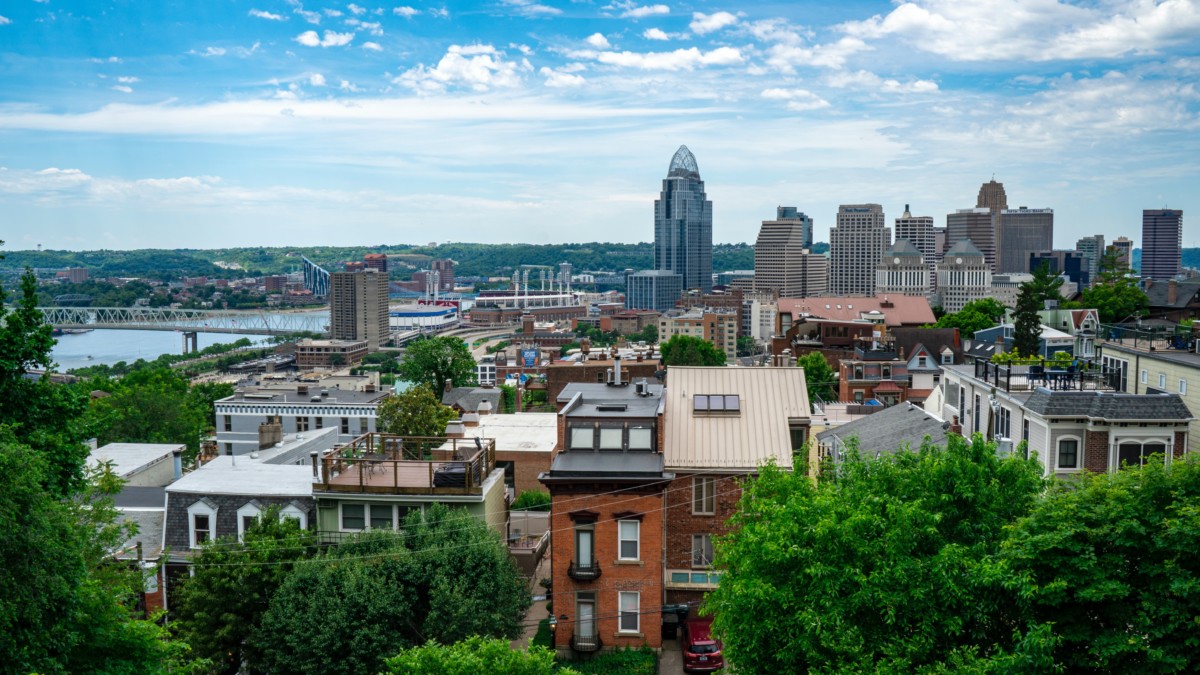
1162 243
978 226
856 245
683 224
902 271
358 307
963 276
992 196
1091 248
783 263
653 289
1070 264
1020 233
919 231
445 274
790 215
1124 249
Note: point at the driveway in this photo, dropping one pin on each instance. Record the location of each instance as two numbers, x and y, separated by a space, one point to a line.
671 660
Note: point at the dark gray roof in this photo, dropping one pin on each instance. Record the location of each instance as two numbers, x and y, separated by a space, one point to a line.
469 398
593 392
609 465
133 496
1107 405
888 430
964 247
149 533
902 248
1185 293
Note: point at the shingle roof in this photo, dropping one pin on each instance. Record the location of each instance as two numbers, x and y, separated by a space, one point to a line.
888 430
903 247
905 310
964 247
1107 405
469 398
768 399
1185 292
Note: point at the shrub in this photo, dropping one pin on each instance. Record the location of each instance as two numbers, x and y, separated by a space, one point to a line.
640 661
532 500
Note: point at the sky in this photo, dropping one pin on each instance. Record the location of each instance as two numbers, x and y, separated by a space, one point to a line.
288 122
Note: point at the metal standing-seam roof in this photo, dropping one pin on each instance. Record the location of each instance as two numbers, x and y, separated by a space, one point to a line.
769 399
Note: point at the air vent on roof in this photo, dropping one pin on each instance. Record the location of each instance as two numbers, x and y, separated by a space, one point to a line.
612 407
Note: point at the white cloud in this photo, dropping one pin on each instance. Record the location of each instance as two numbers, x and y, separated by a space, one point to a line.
374 28
867 80
111 59
334 13
631 10
210 51
372 46
1035 30
559 79
655 34
261 14
598 41
441 13
356 9
309 38
406 12
785 57
524 49
477 67
311 17
531 8
680 59
798 100
316 80
4 20
127 79
703 24
122 88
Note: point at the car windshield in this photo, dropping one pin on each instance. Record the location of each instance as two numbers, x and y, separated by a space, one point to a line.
703 648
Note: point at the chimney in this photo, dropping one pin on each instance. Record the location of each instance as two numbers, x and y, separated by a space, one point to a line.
484 408
1172 291
312 457
456 429
527 325
177 458
617 370
448 387
955 427
470 419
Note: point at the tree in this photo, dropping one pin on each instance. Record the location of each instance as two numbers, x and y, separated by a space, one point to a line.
882 565
1045 284
336 360
688 350
1115 294
746 346
416 412
818 377
531 500
1108 563
976 315
39 413
437 360
222 604
473 656
445 577
1027 323
64 606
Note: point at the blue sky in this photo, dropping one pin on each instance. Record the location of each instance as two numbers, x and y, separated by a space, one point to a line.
226 123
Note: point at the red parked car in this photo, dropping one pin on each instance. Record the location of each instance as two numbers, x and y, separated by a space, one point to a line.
700 651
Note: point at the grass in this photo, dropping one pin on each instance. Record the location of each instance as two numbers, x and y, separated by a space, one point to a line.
542 636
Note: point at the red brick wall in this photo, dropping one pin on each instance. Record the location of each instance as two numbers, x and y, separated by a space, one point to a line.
1095 453
644 576
1180 444
682 523
526 467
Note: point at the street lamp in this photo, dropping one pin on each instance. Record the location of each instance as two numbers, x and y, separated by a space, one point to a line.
553 627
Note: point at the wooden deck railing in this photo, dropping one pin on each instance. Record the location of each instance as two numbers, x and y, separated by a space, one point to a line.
388 464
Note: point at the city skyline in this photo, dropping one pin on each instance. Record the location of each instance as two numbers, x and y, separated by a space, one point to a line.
296 123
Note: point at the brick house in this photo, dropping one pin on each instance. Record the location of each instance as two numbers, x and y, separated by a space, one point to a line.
722 424
606 482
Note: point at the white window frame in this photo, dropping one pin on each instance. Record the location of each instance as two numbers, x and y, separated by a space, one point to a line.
248 509
342 518
391 515
1078 453
704 543
622 525
1182 386
704 494
622 597
293 511
1162 381
1145 376
197 509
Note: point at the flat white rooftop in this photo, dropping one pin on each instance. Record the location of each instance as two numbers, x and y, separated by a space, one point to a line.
527 432
228 475
129 458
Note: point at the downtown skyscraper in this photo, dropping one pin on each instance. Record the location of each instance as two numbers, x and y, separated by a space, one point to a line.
856 245
683 224
1162 243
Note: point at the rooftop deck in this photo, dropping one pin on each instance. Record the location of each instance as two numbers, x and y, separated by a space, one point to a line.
1081 376
378 463
1149 338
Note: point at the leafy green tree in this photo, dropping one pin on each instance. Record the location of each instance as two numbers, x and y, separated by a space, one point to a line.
1115 294
746 346
65 608
438 360
446 577
222 604
688 350
1027 324
532 500
976 315
882 565
1108 563
818 376
416 412
40 414
473 656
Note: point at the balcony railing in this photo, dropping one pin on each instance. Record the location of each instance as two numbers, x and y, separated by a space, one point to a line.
386 464
586 643
1085 376
584 571
1160 338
